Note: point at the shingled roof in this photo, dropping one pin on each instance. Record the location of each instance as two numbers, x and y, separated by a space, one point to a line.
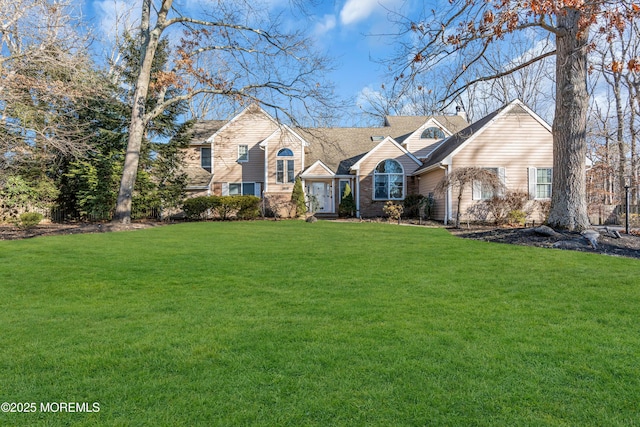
340 148
334 145
201 131
449 145
408 124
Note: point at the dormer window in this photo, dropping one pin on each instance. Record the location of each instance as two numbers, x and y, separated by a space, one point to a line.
432 133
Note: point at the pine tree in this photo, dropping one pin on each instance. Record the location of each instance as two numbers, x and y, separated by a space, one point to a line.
347 204
297 198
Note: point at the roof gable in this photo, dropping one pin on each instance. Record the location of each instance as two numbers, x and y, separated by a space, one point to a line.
251 109
449 147
318 168
387 140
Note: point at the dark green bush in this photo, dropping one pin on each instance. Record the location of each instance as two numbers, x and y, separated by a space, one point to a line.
225 207
29 219
412 205
347 205
297 198
429 204
194 208
249 207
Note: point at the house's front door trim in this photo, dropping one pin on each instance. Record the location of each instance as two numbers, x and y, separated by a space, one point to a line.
319 199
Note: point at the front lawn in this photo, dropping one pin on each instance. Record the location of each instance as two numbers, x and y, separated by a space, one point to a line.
290 323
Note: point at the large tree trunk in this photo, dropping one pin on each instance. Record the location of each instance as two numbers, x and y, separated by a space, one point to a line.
569 200
138 120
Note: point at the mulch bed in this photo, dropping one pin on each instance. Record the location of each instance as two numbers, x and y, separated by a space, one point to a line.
626 245
11 232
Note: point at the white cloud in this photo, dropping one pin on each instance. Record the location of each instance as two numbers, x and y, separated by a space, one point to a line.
327 24
116 15
356 10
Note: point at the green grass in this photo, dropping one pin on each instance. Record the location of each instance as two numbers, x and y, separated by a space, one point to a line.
290 323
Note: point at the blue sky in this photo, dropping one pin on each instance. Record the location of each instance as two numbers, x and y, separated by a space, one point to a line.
345 29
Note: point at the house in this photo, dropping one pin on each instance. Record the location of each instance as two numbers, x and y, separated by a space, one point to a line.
513 141
255 154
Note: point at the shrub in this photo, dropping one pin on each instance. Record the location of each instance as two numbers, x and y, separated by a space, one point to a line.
347 205
29 219
195 207
249 207
297 198
429 204
517 217
392 210
227 205
500 207
412 205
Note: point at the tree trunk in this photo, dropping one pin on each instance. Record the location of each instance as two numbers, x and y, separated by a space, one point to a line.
569 200
138 120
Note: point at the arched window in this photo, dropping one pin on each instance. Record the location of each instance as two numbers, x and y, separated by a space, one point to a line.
432 133
285 166
388 180
285 152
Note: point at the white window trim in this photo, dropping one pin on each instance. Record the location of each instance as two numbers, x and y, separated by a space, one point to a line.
373 177
257 190
247 153
210 159
477 186
285 168
533 183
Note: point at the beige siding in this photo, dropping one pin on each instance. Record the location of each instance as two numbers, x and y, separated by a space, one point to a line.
514 142
428 183
248 129
318 170
422 147
283 140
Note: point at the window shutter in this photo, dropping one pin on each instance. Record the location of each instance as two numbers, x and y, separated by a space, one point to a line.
225 188
502 176
476 190
257 189
533 178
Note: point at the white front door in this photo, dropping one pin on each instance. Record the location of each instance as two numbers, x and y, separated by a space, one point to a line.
319 197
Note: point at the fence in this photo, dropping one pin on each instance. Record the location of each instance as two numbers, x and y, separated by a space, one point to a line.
58 214
634 215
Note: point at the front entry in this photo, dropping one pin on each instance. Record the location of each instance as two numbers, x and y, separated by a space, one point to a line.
319 197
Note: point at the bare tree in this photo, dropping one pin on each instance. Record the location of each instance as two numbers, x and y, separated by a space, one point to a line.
458 36
255 61
462 178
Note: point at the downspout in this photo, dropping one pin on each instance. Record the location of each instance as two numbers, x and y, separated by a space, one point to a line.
358 193
266 168
210 190
447 195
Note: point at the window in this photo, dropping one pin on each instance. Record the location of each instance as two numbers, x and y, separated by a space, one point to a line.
244 189
388 180
285 168
432 133
205 158
243 153
483 192
543 183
